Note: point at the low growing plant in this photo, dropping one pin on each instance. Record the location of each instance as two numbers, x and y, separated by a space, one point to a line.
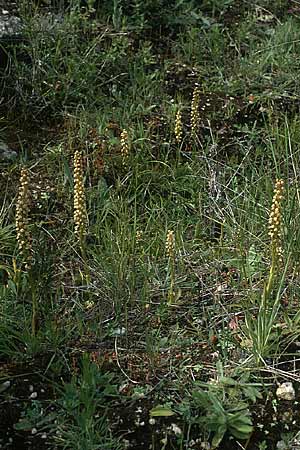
221 406
82 423
261 328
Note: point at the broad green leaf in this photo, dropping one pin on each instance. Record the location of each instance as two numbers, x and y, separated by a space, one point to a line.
252 393
242 433
23 425
161 411
228 381
218 436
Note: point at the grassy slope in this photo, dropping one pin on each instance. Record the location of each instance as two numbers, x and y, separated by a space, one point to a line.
105 310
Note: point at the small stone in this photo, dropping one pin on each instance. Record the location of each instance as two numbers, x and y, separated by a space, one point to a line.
287 416
31 388
286 391
34 431
205 445
33 395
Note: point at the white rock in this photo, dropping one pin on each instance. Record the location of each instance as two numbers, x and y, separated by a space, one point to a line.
119 331
286 391
175 428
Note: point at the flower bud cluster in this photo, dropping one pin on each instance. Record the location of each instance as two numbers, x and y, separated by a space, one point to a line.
124 146
170 244
275 219
178 127
22 218
195 117
80 213
139 236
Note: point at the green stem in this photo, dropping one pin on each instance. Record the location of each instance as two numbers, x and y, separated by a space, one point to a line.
34 308
269 285
171 293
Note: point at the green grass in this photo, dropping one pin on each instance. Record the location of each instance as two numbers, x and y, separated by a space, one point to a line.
124 334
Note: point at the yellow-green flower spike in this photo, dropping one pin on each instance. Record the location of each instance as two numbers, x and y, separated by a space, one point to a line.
22 219
275 220
124 146
195 117
178 127
80 213
170 244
